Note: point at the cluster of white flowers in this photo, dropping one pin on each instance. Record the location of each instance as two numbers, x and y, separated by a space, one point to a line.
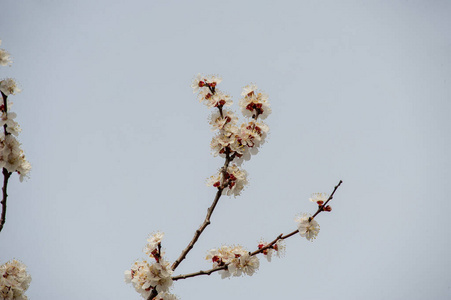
153 246
235 142
236 259
14 280
146 276
12 157
233 180
278 249
254 103
5 57
307 228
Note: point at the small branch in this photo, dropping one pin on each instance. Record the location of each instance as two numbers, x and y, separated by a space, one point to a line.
269 245
6 173
207 218
208 272
321 208
6 176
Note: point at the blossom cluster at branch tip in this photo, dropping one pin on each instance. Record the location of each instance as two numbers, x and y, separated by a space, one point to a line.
14 280
232 181
237 260
254 104
232 140
153 246
146 276
278 249
307 228
5 57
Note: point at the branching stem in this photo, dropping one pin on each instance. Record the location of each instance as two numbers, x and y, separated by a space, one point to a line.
269 245
6 173
210 210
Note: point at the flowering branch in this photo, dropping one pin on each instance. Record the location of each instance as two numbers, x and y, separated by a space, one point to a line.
14 279
236 144
261 249
5 172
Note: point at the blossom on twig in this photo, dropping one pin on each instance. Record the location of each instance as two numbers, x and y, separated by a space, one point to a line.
307 228
233 180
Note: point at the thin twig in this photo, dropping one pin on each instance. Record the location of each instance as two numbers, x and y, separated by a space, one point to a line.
321 208
6 176
267 246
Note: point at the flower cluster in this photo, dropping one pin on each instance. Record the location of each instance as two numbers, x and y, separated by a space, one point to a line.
232 181
153 247
146 276
236 260
12 157
254 104
234 142
14 280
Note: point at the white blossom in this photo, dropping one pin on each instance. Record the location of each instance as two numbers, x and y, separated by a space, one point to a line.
5 58
9 87
307 228
12 156
198 82
8 120
228 119
223 140
14 280
319 198
278 249
243 263
218 99
249 89
153 242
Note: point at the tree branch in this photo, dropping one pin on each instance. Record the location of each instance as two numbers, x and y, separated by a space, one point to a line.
6 173
269 245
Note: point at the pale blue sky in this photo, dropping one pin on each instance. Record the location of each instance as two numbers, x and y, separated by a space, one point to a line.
360 91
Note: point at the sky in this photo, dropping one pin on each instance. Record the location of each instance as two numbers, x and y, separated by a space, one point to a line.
119 145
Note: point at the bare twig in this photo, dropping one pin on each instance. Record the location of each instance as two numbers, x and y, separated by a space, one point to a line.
6 176
267 246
